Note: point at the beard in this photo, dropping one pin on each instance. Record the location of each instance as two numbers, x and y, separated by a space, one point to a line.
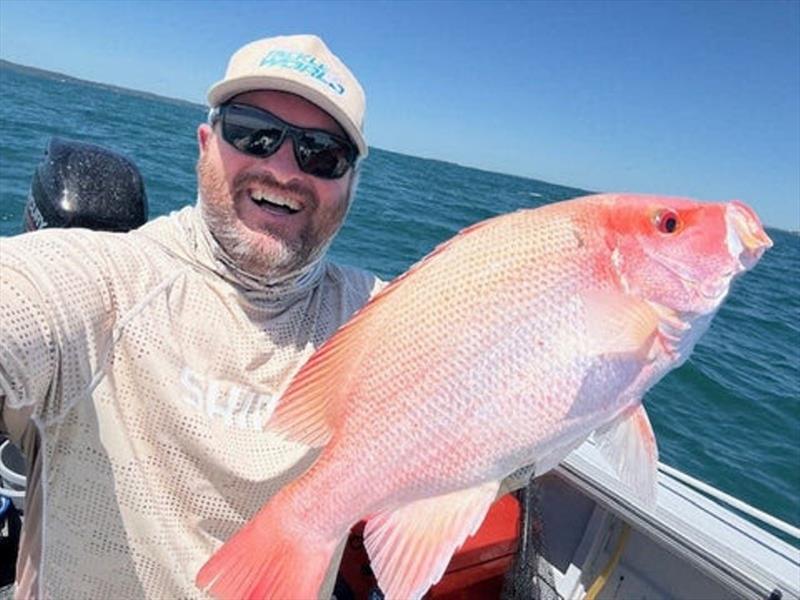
262 253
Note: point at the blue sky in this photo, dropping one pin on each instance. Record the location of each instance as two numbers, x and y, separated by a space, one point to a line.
684 98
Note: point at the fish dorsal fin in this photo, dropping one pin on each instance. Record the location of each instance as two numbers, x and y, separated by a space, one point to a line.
411 546
440 249
618 323
629 444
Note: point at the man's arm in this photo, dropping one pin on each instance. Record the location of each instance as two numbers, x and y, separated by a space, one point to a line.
27 347
54 308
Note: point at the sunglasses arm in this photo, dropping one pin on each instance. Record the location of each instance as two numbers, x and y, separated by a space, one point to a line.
213 114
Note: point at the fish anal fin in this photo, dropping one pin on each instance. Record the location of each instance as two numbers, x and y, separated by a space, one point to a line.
629 444
411 546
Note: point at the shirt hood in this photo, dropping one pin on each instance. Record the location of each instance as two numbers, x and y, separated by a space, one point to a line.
193 239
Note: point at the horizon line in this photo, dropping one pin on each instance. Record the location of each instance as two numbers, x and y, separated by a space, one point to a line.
154 96
171 99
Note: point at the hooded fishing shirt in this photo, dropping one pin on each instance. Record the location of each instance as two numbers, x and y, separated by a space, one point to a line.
138 371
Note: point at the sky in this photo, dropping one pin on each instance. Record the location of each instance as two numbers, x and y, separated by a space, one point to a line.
697 99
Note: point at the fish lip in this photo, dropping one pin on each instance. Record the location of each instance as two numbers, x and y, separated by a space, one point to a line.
746 239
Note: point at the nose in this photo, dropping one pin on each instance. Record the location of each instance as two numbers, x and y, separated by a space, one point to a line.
283 163
746 235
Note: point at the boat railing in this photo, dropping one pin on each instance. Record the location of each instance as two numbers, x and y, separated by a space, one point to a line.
739 505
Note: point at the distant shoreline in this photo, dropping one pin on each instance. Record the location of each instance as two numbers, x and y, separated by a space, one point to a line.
7 64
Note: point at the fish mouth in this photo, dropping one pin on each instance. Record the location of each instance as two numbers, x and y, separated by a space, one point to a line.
746 239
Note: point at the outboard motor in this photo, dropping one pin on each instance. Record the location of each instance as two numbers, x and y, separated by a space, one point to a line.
84 185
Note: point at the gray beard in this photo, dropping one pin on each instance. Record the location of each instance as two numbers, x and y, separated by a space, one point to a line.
245 250
273 260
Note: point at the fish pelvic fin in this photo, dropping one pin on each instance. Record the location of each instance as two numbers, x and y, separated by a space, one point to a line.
262 561
629 444
411 546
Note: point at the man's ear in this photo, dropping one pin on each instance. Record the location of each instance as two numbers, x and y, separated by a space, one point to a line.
204 133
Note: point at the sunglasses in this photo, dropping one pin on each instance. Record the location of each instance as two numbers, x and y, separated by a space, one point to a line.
256 132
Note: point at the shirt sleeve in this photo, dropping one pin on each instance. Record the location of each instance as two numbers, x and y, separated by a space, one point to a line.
56 315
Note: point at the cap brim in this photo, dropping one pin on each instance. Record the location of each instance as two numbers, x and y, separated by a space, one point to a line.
223 91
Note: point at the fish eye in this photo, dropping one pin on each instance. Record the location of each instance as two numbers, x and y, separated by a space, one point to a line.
667 221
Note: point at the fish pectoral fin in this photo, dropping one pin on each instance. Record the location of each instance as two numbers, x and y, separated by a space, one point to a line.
411 546
619 323
629 444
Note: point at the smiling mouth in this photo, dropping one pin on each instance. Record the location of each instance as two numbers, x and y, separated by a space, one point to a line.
274 203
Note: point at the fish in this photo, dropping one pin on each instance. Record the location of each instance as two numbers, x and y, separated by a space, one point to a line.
507 346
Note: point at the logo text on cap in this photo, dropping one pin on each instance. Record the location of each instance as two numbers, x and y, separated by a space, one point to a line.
303 63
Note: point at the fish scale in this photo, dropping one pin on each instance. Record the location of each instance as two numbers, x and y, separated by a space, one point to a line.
507 346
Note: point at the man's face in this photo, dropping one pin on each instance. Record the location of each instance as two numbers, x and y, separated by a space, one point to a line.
263 237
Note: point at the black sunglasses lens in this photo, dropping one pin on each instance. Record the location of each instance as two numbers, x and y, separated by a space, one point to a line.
251 132
323 155
259 133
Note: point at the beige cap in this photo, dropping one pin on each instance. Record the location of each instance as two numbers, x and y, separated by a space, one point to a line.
302 65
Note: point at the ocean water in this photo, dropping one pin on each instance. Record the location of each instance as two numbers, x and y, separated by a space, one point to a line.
730 416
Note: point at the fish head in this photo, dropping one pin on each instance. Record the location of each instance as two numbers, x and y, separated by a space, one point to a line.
681 255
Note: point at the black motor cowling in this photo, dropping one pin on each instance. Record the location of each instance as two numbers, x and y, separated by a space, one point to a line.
84 185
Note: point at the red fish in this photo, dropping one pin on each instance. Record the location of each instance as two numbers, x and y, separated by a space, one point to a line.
507 346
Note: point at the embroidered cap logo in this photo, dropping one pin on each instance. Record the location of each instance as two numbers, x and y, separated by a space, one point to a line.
304 63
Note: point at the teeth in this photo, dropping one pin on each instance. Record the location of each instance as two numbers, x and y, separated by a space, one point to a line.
263 196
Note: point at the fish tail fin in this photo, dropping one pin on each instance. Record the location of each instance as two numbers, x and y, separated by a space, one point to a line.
262 560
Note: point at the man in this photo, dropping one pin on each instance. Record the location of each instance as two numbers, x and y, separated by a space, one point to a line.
148 363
